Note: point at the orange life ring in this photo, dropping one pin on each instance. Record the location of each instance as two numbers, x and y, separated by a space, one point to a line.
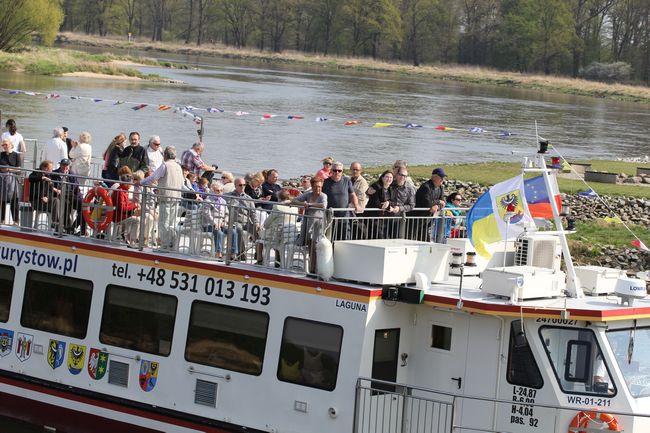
583 418
107 216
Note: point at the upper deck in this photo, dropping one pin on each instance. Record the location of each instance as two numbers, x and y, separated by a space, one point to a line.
269 249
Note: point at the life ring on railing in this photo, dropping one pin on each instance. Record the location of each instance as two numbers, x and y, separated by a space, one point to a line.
583 418
99 224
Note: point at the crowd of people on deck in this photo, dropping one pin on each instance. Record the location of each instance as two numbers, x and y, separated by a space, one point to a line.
185 186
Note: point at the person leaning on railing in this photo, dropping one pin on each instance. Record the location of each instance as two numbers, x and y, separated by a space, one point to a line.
453 225
314 202
8 179
170 181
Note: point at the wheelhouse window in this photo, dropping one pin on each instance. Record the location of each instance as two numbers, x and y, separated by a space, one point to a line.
522 366
57 304
310 352
630 348
7 274
227 337
577 361
138 320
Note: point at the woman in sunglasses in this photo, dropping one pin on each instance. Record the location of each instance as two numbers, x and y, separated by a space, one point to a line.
453 224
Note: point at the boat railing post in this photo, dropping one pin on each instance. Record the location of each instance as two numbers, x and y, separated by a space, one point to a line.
35 161
231 227
143 216
406 392
402 226
61 209
452 425
357 406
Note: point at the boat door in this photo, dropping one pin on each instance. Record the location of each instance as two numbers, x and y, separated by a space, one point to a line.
385 357
462 358
384 409
481 372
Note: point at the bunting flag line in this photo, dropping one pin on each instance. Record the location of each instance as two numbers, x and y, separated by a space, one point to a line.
189 110
588 193
639 244
613 220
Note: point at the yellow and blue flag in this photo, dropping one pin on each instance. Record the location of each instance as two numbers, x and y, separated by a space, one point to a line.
501 213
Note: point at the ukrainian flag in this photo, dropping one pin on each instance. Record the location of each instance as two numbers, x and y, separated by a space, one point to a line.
499 214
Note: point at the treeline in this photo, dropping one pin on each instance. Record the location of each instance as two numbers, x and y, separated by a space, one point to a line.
549 36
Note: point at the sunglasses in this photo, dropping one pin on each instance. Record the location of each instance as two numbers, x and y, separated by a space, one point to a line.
458 199
335 170
327 163
402 174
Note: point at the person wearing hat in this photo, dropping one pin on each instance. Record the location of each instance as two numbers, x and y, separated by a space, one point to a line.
431 197
69 196
326 171
66 138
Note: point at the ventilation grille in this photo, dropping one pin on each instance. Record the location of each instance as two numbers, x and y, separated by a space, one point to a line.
118 373
205 393
536 252
521 254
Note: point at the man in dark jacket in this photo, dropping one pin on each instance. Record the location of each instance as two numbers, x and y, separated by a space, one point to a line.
69 197
133 156
431 195
42 192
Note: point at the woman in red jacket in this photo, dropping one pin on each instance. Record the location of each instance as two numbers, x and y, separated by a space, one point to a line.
127 212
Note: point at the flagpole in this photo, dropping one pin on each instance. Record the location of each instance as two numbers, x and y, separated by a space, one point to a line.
573 285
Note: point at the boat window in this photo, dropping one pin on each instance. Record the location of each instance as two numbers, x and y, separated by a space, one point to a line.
6 289
441 337
577 361
630 349
57 304
522 365
227 337
310 353
138 320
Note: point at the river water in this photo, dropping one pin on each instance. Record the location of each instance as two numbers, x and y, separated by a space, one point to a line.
580 127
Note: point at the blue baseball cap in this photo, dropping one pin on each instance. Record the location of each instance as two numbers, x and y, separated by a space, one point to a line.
439 172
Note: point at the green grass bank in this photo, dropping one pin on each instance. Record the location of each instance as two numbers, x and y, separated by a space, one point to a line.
59 61
475 75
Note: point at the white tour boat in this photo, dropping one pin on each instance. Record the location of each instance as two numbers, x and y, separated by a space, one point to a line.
406 336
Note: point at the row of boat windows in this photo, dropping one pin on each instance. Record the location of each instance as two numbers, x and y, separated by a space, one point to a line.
221 336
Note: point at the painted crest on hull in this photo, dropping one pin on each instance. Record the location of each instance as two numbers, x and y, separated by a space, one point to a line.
97 363
56 353
76 358
6 341
148 375
24 345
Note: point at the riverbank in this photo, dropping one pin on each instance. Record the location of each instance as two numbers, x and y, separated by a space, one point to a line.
464 74
67 62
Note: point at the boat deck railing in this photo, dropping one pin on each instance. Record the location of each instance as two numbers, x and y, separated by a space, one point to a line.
225 228
388 407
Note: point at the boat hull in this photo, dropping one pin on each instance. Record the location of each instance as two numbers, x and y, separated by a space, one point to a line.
71 411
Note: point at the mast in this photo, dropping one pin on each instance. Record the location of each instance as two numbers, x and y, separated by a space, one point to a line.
573 285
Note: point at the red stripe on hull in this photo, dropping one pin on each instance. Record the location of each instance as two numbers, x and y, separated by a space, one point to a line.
62 419
73 421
